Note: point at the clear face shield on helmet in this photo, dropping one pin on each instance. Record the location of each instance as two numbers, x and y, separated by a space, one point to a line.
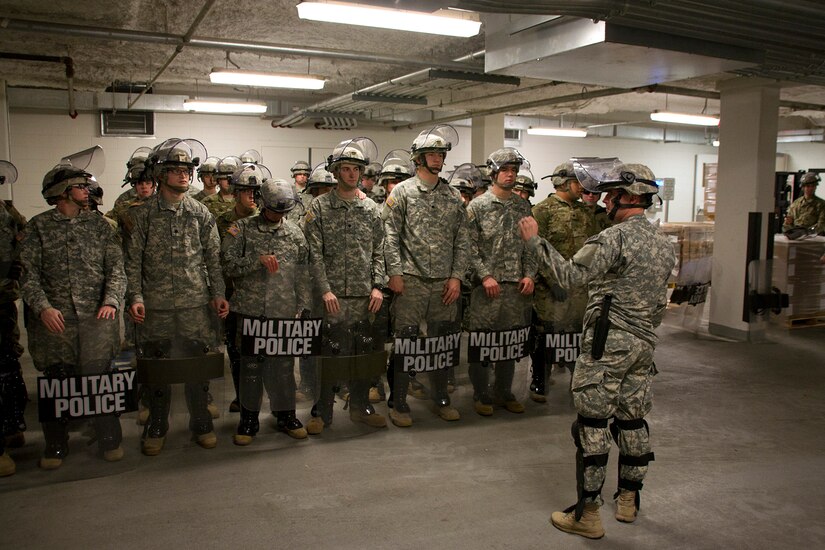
360 151
251 156
250 177
8 172
139 157
525 183
603 175
173 154
320 180
74 169
439 139
467 179
396 166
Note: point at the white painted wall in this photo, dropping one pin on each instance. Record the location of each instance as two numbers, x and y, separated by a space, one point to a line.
38 140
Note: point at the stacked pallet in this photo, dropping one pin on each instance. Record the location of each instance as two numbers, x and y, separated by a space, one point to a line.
797 271
693 244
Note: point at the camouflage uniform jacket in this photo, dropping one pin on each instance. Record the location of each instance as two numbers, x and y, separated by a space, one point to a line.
72 264
218 204
126 196
228 218
258 292
600 218
173 255
498 250
346 245
426 233
807 213
200 195
297 214
122 214
12 224
630 261
565 226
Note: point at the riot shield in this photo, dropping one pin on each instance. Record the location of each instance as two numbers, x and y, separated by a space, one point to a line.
500 340
81 398
354 356
275 331
178 352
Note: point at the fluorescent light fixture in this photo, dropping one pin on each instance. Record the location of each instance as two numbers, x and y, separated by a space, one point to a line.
801 136
217 106
560 132
683 118
265 80
715 143
388 18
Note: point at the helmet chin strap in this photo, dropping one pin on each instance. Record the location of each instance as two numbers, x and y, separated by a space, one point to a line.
617 205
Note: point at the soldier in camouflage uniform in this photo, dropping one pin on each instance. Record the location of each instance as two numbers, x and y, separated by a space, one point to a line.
525 186
625 269
369 177
223 200
503 271
133 170
300 174
600 219
426 251
346 250
73 282
265 255
13 394
173 269
206 173
808 210
566 223
245 185
144 187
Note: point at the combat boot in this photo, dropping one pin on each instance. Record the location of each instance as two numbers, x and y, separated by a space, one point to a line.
152 446
448 413
417 390
510 403
483 405
56 435
247 428
113 455
7 466
626 506
315 425
369 417
15 440
207 441
589 526
290 425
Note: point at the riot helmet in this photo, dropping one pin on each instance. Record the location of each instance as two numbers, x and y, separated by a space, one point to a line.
176 153
251 156
300 167
359 151
439 139
604 174
467 179
208 167
396 166
525 183
74 169
279 195
809 178
320 178
8 172
503 156
249 176
136 165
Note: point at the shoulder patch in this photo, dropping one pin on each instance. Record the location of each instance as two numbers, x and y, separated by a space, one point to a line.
233 230
309 217
390 201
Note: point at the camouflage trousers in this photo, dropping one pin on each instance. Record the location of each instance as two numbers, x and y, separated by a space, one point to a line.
421 301
617 385
564 315
89 344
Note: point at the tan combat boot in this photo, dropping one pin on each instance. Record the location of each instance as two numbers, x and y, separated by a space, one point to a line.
50 463
152 446
589 526
626 506
113 455
401 419
7 466
448 413
208 440
315 425
373 420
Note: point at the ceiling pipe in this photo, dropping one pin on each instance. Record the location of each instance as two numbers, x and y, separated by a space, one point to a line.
300 116
242 46
201 15
65 60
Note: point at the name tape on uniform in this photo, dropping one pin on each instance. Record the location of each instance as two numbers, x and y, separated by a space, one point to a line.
498 345
86 396
562 347
280 337
428 354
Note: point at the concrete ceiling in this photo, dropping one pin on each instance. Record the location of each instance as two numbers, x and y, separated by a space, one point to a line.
173 44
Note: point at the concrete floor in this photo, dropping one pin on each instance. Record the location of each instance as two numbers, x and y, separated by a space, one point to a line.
737 430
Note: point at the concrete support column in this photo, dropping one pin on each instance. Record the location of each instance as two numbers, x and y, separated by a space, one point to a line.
487 135
747 161
5 147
